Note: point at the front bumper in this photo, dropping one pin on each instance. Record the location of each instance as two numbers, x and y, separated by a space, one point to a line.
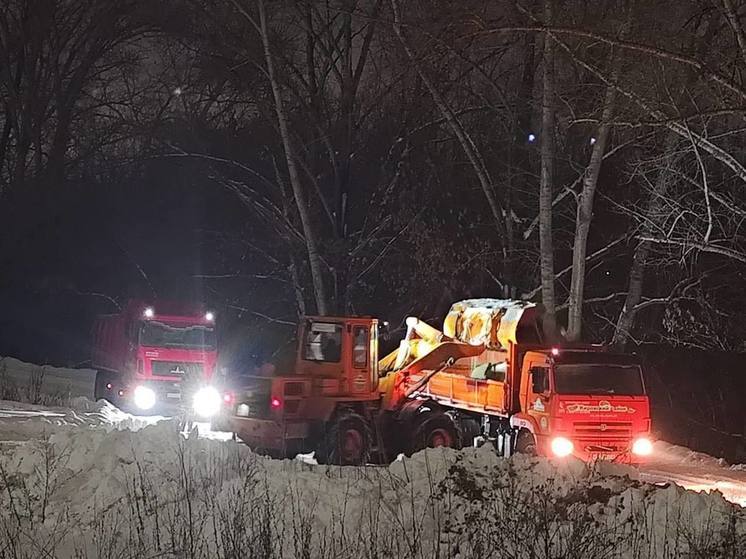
171 398
168 397
267 434
590 450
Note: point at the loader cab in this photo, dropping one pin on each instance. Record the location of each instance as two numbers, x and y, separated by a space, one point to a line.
342 350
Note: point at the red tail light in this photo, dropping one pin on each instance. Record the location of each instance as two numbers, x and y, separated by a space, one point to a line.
276 403
228 397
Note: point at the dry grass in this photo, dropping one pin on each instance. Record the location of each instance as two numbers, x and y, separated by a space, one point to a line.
228 503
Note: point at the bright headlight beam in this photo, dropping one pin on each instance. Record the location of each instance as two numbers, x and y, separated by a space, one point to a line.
562 447
642 447
143 397
207 401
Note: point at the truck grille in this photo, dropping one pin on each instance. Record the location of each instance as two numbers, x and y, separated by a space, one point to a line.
177 369
253 400
602 430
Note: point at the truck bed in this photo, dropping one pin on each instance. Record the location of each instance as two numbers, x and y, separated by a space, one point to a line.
455 387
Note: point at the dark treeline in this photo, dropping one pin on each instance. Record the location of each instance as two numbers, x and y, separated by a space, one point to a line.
374 157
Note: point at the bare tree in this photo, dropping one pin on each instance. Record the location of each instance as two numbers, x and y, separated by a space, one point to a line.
314 258
652 210
585 204
53 62
547 180
465 140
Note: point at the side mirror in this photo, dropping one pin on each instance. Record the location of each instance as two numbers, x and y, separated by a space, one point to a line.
539 380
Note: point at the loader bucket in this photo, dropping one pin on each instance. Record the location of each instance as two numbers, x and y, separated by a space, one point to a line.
496 323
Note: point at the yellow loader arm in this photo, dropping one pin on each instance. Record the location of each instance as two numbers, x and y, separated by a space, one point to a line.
424 348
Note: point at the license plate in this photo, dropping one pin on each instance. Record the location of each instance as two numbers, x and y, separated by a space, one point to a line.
242 410
603 457
173 395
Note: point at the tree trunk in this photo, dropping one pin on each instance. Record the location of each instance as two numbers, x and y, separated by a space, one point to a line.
314 257
585 206
518 161
626 319
546 184
634 295
347 117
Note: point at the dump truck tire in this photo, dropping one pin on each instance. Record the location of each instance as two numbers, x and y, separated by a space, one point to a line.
470 429
346 442
435 429
525 443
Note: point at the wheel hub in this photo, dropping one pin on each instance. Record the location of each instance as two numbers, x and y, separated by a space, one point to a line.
440 437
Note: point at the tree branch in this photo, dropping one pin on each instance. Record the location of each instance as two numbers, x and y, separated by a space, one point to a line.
531 294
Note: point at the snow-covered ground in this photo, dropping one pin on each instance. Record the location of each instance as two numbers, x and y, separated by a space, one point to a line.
94 481
88 480
44 383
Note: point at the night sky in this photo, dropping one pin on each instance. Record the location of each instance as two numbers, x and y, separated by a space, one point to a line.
153 165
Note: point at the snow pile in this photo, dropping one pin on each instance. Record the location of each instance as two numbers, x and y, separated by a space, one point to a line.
21 422
86 492
43 384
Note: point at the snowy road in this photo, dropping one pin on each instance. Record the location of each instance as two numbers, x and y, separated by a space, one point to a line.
695 471
691 470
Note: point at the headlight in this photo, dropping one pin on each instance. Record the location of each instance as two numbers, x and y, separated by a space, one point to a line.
642 447
561 446
143 397
207 401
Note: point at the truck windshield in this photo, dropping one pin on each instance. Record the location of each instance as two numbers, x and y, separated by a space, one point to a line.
158 334
598 379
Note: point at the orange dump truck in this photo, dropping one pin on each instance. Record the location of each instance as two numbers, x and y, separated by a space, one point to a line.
486 377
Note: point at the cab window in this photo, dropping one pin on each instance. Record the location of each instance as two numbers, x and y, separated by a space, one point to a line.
323 342
539 380
360 347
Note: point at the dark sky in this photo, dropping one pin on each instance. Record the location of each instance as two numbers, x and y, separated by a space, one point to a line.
90 239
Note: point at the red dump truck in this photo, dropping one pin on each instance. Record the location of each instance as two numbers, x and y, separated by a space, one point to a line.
157 357
486 377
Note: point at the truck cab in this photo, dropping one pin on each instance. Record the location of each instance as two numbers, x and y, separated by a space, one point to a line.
585 402
151 356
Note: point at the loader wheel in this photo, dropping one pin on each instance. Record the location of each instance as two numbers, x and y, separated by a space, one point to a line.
436 429
346 442
525 443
